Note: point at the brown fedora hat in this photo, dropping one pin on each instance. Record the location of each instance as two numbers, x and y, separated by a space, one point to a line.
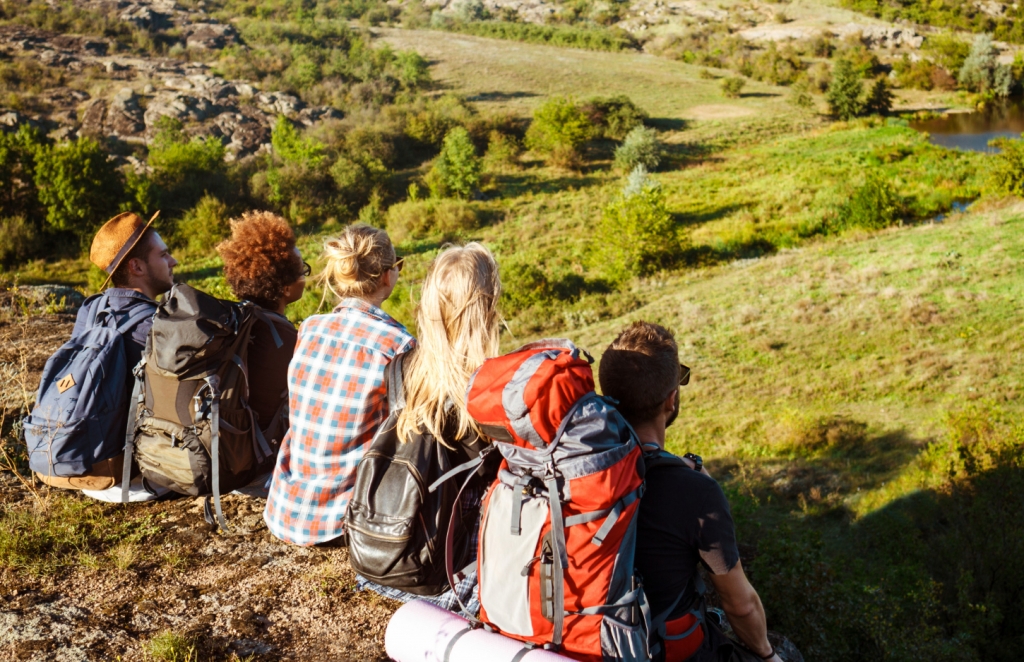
115 240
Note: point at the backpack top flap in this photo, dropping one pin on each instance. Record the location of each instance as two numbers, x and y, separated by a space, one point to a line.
521 398
191 330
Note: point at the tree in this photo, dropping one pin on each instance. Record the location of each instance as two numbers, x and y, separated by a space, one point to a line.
637 234
879 100
77 185
639 148
456 171
17 171
978 70
845 92
559 129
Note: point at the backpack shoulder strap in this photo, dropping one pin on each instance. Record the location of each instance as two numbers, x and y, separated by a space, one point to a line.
135 318
395 384
100 305
655 458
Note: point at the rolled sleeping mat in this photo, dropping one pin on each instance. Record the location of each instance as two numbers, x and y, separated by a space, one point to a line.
423 632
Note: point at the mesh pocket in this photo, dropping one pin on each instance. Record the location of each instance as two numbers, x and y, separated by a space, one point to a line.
620 641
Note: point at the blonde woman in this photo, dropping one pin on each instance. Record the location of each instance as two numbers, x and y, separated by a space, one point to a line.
337 395
458 322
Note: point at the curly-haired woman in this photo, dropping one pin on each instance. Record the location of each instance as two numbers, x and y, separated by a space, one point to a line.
263 265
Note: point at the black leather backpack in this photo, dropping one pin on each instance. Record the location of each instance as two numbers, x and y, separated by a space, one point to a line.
404 512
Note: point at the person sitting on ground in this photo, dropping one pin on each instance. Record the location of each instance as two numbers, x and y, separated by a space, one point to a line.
458 323
684 517
337 394
263 265
140 268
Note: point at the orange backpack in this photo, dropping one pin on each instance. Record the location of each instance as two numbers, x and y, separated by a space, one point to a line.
558 535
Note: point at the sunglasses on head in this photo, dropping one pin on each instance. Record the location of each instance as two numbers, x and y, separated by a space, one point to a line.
684 375
306 269
399 264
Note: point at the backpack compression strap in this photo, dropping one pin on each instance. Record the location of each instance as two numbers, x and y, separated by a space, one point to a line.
138 399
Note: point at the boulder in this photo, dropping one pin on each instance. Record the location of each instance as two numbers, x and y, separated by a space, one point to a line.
124 117
211 36
93 118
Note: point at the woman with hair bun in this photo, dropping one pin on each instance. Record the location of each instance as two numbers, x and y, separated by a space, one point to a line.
263 265
337 394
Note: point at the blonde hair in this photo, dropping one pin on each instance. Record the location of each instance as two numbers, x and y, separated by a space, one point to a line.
356 260
457 324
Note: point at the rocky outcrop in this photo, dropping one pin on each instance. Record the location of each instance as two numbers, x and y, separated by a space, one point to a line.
211 36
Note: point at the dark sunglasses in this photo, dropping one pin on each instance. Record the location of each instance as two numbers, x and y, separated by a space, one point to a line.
399 264
684 375
306 269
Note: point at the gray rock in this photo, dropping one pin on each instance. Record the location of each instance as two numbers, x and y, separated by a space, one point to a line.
211 36
11 118
93 118
124 117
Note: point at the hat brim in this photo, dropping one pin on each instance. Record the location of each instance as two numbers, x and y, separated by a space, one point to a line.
131 246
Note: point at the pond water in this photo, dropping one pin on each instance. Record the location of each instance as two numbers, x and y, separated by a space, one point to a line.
973 131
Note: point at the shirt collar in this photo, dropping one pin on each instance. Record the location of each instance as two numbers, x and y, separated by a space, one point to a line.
126 293
365 307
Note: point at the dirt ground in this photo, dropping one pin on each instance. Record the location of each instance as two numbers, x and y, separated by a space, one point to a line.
244 596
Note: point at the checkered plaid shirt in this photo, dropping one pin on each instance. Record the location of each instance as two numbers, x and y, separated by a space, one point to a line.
337 400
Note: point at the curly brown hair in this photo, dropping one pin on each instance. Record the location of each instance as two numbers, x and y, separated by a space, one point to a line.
259 258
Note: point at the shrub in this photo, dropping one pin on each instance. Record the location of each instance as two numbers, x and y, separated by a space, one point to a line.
20 240
205 225
413 69
948 49
456 171
732 86
185 169
800 94
640 148
558 130
879 101
502 152
430 120
523 284
614 117
845 92
77 185
291 146
637 234
17 171
777 67
415 219
874 205
1008 170
914 75
978 70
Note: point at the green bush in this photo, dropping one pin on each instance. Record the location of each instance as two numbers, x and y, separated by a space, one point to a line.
978 71
456 171
593 38
523 284
558 130
874 205
640 148
20 240
845 94
205 225
1008 167
416 219
428 121
413 69
502 152
77 185
637 235
777 67
914 75
733 86
613 117
185 169
17 172
800 94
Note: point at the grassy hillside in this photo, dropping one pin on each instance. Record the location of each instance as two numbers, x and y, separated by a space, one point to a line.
861 401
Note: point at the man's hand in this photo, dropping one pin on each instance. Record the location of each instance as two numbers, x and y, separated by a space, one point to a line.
693 465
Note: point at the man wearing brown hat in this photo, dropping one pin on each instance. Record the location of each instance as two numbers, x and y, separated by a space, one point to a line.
140 269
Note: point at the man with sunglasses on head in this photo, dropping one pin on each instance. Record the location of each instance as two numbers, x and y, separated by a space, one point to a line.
684 517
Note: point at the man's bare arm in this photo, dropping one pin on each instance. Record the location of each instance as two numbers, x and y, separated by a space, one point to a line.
744 609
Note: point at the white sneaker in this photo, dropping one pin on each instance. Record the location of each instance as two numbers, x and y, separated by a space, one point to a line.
137 491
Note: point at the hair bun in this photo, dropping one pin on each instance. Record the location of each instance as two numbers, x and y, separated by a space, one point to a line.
356 259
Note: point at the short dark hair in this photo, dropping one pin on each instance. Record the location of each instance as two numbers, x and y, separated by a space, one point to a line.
640 369
139 251
259 258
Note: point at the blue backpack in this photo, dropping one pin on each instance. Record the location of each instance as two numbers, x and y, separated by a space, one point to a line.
81 409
